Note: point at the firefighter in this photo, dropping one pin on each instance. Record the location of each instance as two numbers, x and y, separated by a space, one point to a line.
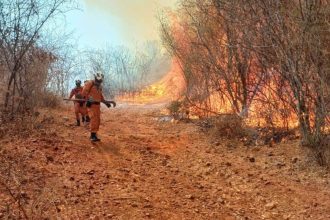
92 92
79 106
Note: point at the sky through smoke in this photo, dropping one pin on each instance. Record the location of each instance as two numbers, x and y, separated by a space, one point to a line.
116 22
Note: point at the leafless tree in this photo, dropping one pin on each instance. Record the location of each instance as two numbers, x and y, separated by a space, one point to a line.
298 33
214 53
127 70
269 56
21 23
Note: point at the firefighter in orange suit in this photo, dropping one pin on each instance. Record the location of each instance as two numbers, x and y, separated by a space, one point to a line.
92 92
79 107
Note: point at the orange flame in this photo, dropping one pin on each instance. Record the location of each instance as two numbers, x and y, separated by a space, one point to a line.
167 89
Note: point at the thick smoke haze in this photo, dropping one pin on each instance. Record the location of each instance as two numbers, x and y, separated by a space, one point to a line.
125 22
128 24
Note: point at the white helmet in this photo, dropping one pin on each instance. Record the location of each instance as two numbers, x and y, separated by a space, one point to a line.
99 76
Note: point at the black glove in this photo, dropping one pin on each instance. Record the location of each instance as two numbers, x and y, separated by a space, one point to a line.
79 96
88 103
113 103
107 104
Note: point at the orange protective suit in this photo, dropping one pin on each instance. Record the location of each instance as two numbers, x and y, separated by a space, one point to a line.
94 92
79 108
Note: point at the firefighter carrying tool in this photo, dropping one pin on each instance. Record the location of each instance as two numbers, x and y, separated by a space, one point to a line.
92 95
92 92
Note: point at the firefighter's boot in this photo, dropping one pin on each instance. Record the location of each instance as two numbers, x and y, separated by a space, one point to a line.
94 138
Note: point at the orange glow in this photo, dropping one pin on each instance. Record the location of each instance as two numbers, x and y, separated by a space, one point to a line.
169 88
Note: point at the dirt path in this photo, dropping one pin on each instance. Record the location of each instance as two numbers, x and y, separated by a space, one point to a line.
148 169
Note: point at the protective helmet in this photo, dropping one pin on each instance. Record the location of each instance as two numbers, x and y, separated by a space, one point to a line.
78 82
99 77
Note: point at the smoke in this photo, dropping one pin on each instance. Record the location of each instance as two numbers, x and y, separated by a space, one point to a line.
133 24
133 20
